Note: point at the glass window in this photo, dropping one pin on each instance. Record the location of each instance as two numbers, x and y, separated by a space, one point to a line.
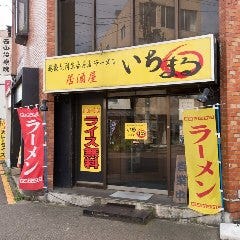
137 142
113 24
84 26
89 25
198 17
123 32
177 104
22 22
22 17
76 26
154 21
188 20
167 17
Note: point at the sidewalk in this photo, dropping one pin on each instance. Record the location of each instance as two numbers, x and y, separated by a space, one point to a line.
161 205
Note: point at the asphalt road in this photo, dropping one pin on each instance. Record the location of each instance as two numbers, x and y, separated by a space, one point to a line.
6 194
3 199
36 220
26 220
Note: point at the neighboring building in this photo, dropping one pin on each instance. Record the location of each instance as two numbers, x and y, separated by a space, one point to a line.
45 31
5 85
3 34
29 52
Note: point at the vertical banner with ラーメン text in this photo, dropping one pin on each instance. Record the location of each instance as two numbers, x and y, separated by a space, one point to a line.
91 139
2 139
31 177
201 152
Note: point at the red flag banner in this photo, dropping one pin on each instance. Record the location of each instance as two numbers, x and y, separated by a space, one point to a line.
31 177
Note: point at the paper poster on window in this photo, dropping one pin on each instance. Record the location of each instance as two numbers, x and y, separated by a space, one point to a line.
136 131
91 139
2 139
201 152
185 103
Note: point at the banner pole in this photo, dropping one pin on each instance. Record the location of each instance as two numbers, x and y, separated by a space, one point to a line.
44 109
217 108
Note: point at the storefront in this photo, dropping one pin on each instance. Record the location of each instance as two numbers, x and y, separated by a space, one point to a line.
144 139
118 113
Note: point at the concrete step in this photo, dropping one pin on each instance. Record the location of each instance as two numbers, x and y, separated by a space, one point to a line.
163 211
121 212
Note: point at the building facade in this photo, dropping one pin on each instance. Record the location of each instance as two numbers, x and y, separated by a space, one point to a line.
5 83
101 26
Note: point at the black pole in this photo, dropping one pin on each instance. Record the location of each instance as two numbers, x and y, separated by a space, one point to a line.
44 109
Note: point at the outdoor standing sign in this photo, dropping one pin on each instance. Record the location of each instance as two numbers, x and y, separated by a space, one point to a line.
91 139
188 60
180 184
201 152
31 177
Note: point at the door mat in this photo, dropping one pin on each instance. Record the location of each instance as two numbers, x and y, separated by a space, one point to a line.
132 195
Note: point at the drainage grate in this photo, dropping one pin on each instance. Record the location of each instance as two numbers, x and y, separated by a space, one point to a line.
122 212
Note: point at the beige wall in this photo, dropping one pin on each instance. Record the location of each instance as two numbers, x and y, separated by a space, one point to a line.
3 33
35 51
112 38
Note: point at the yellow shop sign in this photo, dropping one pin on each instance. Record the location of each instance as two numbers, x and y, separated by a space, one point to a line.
180 61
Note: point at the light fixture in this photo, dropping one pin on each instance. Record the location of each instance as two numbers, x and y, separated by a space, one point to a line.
44 106
203 97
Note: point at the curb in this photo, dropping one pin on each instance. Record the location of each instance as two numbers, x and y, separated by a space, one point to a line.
167 212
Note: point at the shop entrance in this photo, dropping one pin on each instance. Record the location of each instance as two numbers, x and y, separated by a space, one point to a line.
137 142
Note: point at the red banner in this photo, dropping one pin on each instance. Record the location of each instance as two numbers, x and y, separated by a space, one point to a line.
31 177
8 84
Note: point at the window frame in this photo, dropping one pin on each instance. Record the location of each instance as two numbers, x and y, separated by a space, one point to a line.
123 31
22 18
21 21
165 17
185 22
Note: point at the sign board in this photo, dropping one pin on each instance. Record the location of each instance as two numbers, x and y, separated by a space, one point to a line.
91 139
136 131
185 103
8 85
180 184
188 60
5 55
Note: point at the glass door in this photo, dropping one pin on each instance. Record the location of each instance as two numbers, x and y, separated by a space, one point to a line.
137 142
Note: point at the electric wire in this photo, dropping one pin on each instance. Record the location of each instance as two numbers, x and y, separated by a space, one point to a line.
102 23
